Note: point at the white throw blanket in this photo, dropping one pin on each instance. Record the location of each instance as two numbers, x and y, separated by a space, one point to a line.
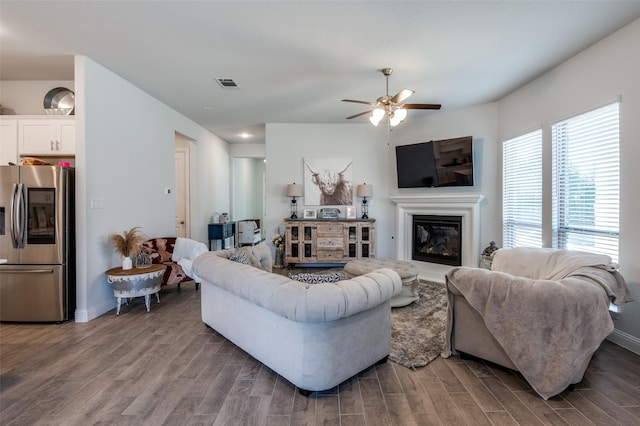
546 263
548 328
184 252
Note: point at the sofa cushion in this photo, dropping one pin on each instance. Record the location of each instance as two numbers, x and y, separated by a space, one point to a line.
310 278
240 256
259 254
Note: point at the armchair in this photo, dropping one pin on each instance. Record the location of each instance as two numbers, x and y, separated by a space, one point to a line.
542 312
176 254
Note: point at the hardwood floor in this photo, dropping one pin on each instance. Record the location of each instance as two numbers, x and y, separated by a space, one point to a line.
167 367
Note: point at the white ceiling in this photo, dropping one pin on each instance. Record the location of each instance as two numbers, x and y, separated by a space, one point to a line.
295 60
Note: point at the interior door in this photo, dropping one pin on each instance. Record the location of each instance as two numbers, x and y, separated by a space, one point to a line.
181 186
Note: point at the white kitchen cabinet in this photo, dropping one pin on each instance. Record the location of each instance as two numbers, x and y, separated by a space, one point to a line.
47 136
8 141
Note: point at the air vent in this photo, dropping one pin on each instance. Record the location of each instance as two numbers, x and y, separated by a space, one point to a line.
227 83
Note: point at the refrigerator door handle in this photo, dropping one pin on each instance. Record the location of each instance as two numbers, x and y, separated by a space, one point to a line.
26 271
21 216
13 217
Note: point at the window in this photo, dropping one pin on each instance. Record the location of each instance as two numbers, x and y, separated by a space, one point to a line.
522 190
586 181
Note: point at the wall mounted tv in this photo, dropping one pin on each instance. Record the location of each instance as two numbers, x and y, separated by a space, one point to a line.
447 162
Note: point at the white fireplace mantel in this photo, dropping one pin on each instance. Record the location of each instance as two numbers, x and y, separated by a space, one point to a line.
465 205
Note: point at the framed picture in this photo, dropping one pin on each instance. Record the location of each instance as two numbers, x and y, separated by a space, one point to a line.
327 181
310 213
351 212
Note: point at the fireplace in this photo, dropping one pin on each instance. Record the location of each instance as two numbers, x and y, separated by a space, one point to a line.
437 239
466 206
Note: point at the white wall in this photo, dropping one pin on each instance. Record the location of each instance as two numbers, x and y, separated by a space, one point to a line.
125 157
593 78
481 123
374 163
247 188
288 144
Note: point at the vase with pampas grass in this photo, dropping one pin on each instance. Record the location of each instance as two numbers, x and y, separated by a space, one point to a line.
128 244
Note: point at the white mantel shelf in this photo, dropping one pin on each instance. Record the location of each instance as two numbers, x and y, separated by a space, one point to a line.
465 205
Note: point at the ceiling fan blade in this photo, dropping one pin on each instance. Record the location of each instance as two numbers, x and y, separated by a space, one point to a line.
360 102
421 106
401 96
358 115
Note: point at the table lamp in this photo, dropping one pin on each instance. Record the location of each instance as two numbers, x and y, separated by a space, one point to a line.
364 191
294 191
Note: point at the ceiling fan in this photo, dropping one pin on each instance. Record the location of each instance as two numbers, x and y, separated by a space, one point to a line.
390 105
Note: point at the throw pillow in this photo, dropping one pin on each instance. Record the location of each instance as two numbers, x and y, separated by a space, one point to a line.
240 256
310 278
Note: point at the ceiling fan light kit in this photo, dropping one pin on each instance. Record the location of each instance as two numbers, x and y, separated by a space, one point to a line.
390 106
376 115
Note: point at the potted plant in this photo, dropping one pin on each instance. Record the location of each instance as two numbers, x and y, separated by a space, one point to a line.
128 244
278 243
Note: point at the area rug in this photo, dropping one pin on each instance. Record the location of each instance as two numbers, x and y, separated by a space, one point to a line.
417 330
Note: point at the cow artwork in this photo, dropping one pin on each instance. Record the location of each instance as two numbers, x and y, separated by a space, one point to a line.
328 181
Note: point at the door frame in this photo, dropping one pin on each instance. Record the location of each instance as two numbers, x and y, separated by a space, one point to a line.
183 146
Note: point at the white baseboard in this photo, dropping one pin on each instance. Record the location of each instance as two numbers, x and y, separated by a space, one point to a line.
86 315
81 315
625 340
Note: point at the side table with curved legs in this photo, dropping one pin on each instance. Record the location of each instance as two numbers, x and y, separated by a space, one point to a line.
136 282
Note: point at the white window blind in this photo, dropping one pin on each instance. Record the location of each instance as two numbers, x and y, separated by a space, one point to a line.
586 181
522 191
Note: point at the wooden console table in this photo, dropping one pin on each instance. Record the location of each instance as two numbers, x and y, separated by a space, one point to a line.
328 241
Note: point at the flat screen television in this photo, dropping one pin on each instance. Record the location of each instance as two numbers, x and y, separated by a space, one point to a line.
447 162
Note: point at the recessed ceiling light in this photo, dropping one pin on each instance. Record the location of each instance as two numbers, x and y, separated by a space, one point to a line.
206 108
245 135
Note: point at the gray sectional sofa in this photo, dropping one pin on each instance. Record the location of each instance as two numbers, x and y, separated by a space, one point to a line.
314 335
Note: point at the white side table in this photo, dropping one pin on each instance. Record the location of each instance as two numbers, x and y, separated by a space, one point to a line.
136 282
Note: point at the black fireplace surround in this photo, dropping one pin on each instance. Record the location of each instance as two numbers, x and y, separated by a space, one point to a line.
437 239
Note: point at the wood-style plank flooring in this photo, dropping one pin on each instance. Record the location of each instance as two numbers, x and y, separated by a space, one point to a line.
167 367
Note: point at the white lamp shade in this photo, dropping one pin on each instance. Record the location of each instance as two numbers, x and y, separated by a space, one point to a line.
294 190
376 116
364 190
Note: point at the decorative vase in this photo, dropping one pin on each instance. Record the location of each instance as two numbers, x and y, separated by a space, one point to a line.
279 263
143 260
127 263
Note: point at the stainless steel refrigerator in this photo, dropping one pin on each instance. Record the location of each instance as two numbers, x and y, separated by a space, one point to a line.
37 243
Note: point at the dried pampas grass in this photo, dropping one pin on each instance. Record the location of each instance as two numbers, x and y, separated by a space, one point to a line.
129 243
